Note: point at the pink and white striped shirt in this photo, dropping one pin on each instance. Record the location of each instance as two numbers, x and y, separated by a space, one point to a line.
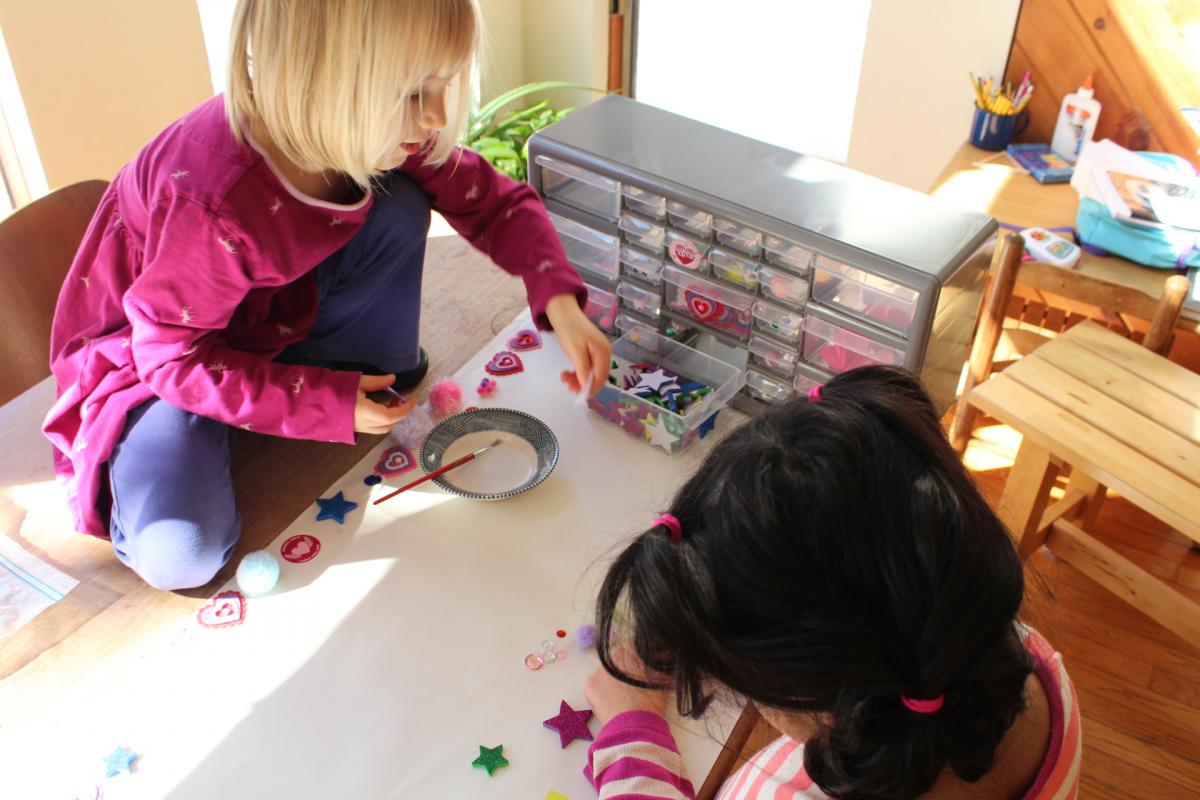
634 757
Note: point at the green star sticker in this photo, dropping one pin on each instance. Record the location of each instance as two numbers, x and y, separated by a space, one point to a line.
490 758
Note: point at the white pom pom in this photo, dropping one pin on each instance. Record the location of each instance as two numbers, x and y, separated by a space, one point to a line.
411 430
258 573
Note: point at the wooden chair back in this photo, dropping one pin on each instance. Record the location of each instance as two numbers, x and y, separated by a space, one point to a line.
37 245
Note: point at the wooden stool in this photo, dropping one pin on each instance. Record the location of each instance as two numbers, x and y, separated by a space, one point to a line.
1119 416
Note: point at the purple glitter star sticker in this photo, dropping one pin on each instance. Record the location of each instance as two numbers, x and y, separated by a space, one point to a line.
570 724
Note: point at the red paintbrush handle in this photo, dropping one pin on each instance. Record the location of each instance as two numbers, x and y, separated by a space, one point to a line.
439 471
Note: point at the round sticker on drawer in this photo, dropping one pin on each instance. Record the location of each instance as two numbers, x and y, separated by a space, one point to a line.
684 253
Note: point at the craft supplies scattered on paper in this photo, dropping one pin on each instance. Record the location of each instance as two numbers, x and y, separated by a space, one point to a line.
394 461
504 363
525 340
335 508
490 758
120 760
570 724
300 548
257 573
548 653
445 397
455 464
225 610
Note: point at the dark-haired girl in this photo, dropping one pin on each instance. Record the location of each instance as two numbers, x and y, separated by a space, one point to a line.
833 563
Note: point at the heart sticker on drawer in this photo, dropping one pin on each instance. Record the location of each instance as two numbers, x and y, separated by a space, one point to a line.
223 611
701 307
684 253
504 363
525 340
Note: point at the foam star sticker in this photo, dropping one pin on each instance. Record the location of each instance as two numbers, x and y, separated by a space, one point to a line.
570 724
707 426
658 434
655 380
121 760
335 508
490 758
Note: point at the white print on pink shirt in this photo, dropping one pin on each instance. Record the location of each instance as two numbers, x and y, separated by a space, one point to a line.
284 330
276 205
473 192
336 221
86 281
186 315
545 265
228 244
191 349
297 382
218 366
179 173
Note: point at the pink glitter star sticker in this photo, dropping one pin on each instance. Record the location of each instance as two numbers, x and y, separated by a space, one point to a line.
570 724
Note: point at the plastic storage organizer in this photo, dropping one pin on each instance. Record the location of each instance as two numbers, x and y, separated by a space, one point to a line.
781 265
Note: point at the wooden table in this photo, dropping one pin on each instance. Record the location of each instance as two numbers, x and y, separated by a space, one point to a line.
990 183
1117 416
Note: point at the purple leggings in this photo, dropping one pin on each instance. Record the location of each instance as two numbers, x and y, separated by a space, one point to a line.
174 516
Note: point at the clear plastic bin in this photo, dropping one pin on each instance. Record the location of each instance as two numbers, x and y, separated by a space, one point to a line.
807 377
709 303
773 356
739 237
646 235
783 287
589 250
789 255
627 321
638 299
782 323
601 307
863 294
691 219
766 388
640 265
687 252
643 202
580 188
838 349
733 269
653 424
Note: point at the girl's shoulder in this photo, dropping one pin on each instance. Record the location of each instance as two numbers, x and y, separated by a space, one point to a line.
776 771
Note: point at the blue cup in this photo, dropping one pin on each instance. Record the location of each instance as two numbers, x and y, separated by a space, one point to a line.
994 131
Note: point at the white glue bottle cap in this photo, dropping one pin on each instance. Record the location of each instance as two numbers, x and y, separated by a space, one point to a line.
1086 91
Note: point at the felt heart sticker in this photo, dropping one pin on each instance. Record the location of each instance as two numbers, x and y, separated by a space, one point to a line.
224 611
504 363
525 340
395 461
300 548
701 307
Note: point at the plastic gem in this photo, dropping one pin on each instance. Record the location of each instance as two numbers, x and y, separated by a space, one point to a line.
533 661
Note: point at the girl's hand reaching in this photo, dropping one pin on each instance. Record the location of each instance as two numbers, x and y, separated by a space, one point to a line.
608 697
584 344
372 417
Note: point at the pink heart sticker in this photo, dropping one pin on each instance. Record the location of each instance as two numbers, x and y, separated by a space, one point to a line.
225 610
701 307
504 363
525 340
395 461
684 253
300 548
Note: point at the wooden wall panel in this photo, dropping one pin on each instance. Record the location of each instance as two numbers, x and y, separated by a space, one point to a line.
1137 51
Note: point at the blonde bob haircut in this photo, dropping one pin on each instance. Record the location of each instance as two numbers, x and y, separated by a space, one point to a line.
330 81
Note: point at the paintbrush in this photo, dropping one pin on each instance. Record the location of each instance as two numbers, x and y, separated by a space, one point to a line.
458 462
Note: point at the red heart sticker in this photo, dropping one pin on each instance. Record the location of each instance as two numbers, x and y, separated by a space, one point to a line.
504 363
224 611
701 307
684 253
300 548
395 461
525 340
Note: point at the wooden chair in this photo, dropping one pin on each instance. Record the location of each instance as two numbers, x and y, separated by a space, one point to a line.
37 245
1006 270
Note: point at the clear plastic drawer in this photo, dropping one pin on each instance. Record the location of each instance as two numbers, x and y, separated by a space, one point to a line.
645 203
708 302
782 323
646 235
733 269
838 349
768 389
789 255
589 250
863 294
783 287
736 236
687 252
773 356
640 265
581 188
601 307
691 219
635 298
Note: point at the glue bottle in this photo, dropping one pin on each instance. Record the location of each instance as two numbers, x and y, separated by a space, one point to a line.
1076 122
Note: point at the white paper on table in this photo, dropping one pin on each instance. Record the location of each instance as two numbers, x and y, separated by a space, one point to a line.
377 669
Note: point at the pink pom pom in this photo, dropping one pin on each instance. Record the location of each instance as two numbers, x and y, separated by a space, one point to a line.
486 387
445 397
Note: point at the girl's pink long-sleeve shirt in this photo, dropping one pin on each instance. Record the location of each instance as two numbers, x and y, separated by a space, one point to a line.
196 271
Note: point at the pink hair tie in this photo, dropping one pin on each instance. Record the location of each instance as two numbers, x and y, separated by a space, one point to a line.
931 706
814 393
670 522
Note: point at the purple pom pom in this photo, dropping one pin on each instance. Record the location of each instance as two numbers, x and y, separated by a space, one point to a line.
585 636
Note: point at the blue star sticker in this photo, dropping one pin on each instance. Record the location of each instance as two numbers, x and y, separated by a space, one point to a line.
121 760
707 426
335 508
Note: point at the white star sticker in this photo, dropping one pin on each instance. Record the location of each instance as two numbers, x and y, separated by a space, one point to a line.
186 315
227 243
179 173
658 434
654 380
276 205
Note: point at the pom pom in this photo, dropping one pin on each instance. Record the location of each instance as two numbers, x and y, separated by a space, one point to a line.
585 636
445 397
258 573
486 387
411 430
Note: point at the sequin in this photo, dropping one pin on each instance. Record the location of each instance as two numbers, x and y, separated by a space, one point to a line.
533 661
560 633
550 658
561 655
